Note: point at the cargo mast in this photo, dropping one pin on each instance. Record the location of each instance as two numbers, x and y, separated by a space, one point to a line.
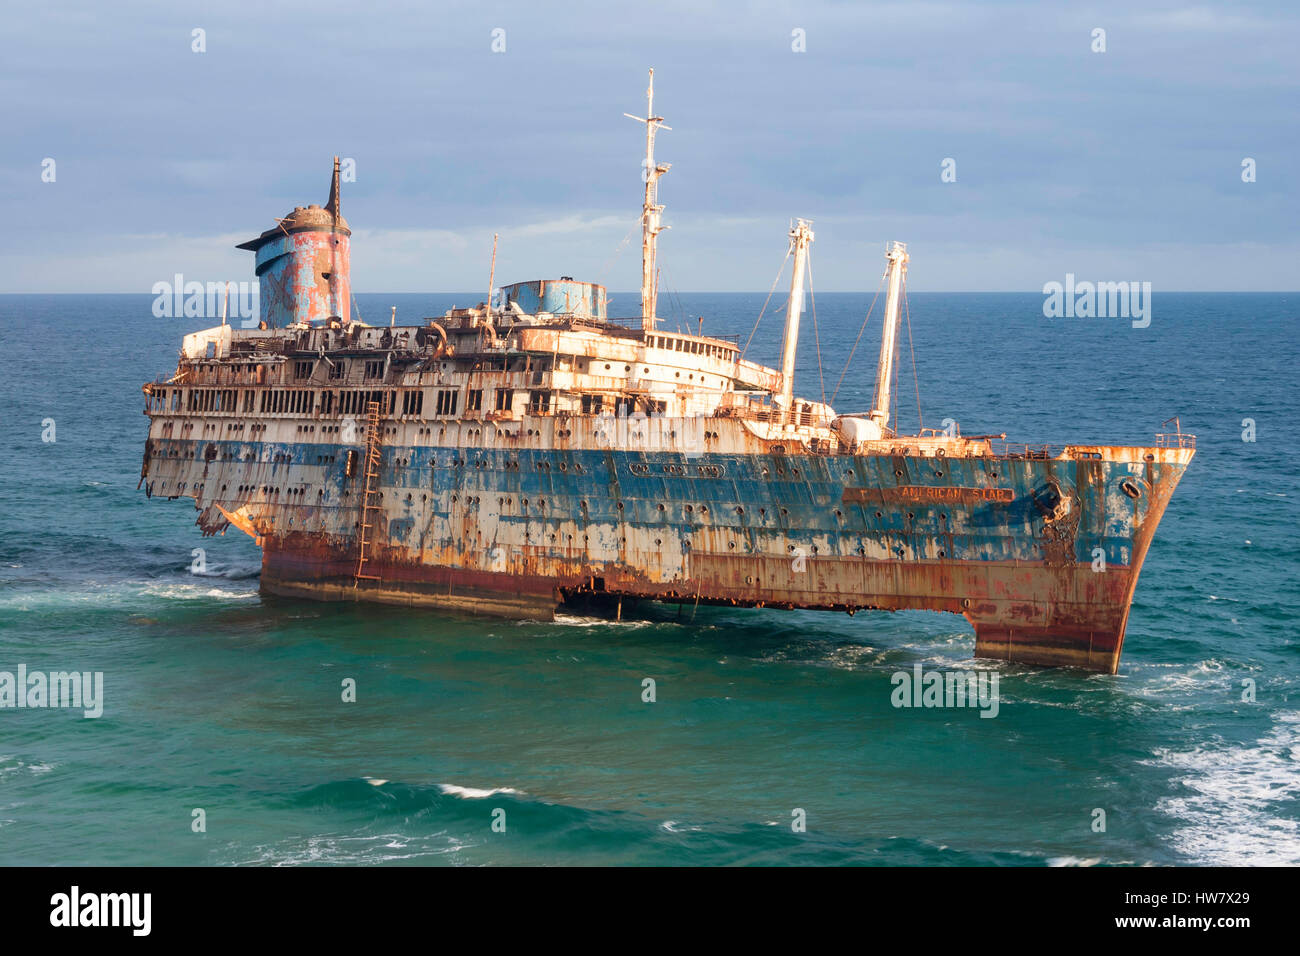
650 210
897 257
801 237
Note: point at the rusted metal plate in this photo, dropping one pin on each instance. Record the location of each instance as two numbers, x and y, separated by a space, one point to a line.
522 516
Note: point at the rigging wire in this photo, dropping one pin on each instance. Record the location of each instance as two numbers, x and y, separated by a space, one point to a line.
681 310
915 379
671 300
604 269
770 292
812 295
849 360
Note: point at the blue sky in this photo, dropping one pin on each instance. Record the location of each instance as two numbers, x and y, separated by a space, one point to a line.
1122 165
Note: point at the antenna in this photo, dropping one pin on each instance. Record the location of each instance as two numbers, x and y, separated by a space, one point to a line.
492 277
650 210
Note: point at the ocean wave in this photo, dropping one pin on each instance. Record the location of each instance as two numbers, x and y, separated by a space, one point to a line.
1229 817
672 826
118 595
191 592
572 620
470 793
11 765
232 572
370 795
345 850
1073 861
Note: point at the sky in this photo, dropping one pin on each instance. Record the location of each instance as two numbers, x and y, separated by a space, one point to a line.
467 119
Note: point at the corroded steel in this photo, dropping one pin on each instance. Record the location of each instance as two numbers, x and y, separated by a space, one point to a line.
561 296
303 265
506 463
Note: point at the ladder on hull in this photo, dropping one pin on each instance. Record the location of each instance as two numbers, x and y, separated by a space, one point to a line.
370 507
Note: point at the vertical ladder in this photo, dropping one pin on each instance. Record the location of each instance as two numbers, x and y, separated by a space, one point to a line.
370 506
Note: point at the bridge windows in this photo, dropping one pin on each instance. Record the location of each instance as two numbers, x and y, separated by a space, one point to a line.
412 402
447 399
357 402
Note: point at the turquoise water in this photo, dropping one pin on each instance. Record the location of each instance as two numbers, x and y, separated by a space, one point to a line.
217 698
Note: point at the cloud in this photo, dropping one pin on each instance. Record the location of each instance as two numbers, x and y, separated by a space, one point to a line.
166 158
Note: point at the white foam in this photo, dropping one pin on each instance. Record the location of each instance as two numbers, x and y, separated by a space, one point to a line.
1073 861
117 595
21 766
569 620
356 850
1231 817
672 826
192 592
471 793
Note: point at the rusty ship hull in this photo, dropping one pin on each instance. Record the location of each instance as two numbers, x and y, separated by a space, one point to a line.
515 520
532 451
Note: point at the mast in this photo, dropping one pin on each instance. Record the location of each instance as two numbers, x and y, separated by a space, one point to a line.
492 277
897 258
800 237
335 204
650 210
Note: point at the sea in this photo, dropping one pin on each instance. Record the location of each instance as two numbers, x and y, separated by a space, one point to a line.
239 729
